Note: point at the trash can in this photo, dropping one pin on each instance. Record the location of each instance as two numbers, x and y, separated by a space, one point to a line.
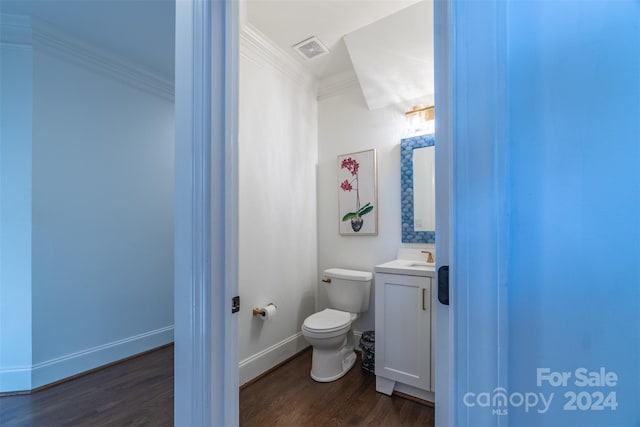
368 346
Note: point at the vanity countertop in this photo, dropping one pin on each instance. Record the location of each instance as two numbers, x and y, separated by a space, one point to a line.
408 267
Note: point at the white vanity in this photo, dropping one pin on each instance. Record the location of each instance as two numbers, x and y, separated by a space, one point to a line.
404 324
404 288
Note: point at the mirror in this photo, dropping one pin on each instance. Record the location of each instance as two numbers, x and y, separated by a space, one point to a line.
417 169
423 189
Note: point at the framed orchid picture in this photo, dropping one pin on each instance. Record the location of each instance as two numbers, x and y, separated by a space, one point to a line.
357 193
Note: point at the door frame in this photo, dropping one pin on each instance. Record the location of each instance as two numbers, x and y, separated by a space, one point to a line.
206 389
474 124
444 315
206 207
471 160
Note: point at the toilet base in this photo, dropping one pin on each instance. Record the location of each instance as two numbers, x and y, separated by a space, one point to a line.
327 366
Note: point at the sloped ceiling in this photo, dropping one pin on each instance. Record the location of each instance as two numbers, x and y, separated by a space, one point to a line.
393 57
287 22
389 44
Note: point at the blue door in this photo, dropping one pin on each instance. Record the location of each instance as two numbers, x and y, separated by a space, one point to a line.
545 202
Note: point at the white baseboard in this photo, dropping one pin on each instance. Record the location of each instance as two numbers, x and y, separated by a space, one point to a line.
266 359
15 379
27 378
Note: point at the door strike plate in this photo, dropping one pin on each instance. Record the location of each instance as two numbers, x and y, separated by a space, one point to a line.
443 285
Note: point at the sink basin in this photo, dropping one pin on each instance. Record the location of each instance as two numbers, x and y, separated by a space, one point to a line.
419 264
407 267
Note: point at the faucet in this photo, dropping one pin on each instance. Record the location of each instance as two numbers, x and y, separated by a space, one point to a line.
429 257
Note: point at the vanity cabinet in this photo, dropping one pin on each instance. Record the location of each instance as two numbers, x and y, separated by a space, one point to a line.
403 350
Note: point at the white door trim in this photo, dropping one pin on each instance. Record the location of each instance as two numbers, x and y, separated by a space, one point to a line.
206 229
444 361
476 124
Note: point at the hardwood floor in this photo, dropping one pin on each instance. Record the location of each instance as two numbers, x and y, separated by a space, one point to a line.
136 392
289 397
139 392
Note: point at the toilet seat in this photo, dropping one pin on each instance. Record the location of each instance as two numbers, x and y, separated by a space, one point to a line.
327 321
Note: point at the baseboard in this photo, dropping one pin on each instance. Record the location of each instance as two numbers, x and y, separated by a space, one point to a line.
15 380
255 365
72 364
275 368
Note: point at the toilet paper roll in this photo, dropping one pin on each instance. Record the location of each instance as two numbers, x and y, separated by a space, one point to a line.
268 312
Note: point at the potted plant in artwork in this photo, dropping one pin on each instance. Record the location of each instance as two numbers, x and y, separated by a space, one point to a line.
355 217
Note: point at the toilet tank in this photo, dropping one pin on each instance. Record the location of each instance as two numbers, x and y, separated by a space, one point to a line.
348 290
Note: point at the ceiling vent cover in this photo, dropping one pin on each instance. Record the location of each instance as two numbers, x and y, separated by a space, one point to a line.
311 48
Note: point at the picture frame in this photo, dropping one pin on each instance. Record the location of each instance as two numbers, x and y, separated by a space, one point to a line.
407 189
358 193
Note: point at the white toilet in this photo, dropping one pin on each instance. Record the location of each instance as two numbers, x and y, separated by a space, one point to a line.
329 331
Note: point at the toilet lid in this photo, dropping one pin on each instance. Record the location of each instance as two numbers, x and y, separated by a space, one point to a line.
327 320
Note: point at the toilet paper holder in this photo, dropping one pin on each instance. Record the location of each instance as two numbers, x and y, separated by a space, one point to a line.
260 311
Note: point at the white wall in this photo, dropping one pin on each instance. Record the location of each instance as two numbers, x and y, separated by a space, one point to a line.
102 218
102 212
278 242
346 125
16 60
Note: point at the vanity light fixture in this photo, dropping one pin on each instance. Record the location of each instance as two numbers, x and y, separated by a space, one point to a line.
417 118
420 111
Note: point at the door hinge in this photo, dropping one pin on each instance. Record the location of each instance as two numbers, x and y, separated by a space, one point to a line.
235 304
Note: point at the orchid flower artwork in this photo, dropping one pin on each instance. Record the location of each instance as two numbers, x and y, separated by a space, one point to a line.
352 183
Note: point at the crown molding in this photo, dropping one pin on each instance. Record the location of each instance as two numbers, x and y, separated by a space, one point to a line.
256 47
15 29
68 48
337 84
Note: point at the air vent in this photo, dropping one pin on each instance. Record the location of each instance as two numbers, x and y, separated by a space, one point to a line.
311 48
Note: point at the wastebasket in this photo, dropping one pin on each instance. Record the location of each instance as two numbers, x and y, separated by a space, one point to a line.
368 346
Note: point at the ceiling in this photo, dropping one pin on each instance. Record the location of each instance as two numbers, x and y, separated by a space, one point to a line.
287 22
389 44
393 57
142 31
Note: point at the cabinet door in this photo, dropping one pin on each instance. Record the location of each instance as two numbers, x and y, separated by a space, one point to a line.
403 329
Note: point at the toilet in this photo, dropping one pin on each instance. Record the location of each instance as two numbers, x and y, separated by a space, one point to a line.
329 331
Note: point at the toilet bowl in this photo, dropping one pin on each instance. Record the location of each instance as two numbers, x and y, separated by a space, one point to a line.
329 331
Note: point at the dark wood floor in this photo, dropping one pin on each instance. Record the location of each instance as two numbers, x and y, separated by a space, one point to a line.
289 397
139 392
136 392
